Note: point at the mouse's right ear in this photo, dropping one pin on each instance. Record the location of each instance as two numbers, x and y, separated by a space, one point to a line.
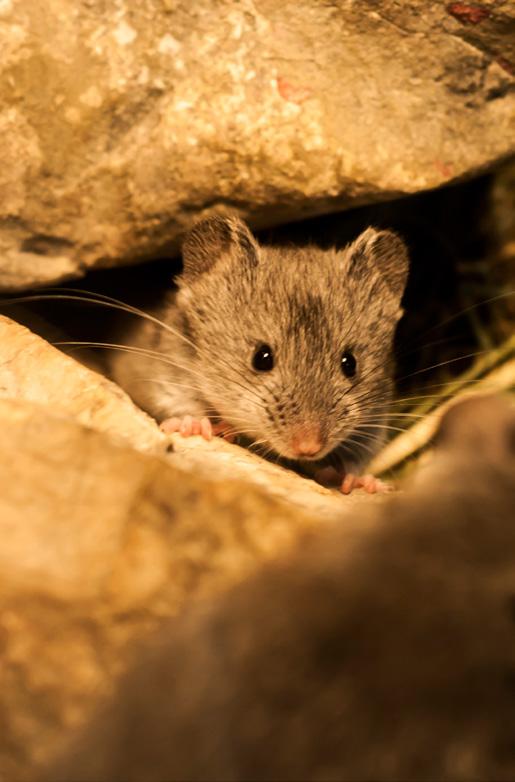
215 238
384 251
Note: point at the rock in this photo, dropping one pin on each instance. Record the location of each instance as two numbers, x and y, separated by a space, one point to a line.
120 125
108 527
31 369
99 544
227 462
388 656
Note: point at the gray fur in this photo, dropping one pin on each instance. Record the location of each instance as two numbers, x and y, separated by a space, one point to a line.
309 305
210 239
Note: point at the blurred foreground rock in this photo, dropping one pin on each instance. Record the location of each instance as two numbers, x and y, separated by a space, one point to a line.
121 123
100 542
31 369
107 528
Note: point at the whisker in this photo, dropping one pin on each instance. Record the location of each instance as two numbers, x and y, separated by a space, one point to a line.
102 301
358 444
464 311
443 364
112 346
145 352
75 294
257 443
382 416
382 427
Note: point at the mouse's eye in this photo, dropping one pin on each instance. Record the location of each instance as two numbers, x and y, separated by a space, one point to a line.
263 359
348 364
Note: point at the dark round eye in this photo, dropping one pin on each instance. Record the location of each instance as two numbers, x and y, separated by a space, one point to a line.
348 364
263 359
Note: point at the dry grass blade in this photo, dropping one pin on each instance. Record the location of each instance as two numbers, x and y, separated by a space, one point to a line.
408 444
485 363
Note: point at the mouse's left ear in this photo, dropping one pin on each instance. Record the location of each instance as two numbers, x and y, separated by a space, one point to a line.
386 252
217 237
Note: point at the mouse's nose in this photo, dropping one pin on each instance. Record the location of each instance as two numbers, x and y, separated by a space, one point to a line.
307 441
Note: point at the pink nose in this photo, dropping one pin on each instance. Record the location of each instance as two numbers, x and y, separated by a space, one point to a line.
307 442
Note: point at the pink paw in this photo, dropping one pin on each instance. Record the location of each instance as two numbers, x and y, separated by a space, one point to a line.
188 426
370 483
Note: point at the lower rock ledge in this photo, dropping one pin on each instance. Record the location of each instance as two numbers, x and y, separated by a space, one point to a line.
99 543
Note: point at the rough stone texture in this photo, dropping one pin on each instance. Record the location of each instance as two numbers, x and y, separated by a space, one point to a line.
32 370
222 460
105 531
122 122
100 542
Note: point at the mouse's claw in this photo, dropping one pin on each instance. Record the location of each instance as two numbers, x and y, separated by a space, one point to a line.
370 483
188 426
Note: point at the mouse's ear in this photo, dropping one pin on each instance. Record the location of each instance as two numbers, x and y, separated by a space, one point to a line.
211 239
384 251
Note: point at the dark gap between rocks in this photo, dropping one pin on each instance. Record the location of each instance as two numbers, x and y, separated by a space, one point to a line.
451 241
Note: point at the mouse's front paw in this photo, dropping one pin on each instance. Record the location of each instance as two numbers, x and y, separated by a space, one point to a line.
188 426
370 483
347 481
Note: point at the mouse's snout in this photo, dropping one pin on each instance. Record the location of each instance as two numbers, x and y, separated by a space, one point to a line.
307 441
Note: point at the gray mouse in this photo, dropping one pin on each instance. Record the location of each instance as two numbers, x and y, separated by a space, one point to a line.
384 651
289 347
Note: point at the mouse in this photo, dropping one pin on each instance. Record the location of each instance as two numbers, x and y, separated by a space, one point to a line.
385 652
289 348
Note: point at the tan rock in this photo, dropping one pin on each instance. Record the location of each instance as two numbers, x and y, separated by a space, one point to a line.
31 369
100 540
107 526
120 124
99 543
221 460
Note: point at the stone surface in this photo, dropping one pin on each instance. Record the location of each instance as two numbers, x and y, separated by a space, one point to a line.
33 370
99 544
384 656
121 123
225 461
107 527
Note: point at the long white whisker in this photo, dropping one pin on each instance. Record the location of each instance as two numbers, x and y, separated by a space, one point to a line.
361 444
146 352
365 425
102 301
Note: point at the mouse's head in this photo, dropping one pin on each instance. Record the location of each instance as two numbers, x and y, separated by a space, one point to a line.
294 345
